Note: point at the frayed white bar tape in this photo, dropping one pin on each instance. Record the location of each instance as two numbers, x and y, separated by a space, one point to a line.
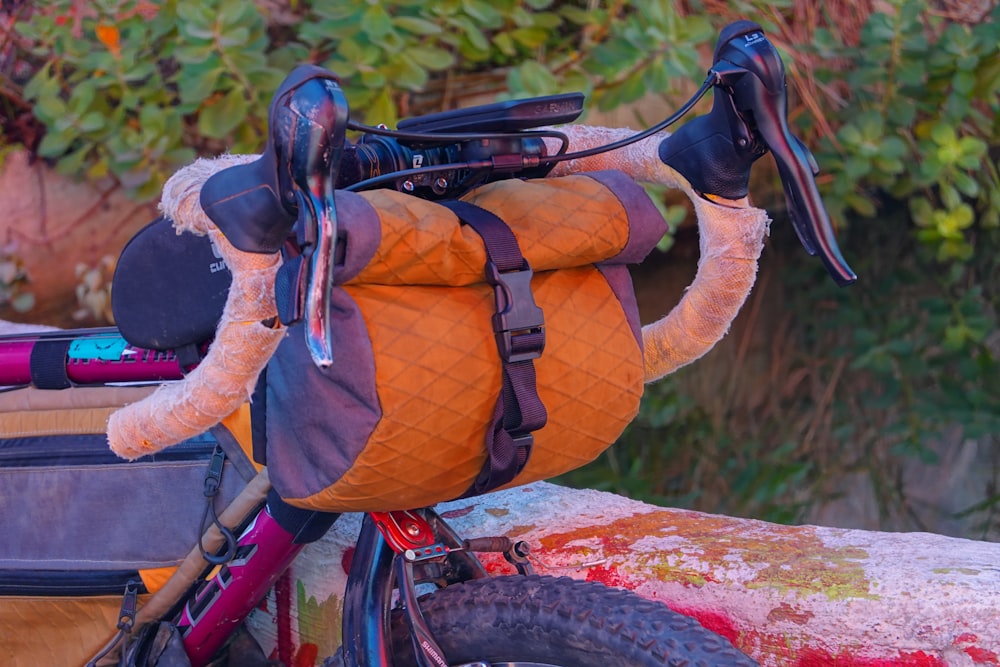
731 239
243 345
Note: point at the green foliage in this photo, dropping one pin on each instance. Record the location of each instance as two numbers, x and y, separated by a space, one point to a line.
133 88
920 360
121 87
919 123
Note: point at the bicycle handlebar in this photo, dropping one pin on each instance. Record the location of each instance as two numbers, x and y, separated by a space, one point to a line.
288 193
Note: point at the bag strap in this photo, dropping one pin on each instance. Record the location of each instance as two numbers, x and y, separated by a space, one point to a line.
518 326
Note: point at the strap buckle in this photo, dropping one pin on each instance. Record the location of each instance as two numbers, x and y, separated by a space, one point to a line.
518 323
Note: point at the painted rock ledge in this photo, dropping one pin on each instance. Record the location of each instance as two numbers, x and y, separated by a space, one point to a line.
799 596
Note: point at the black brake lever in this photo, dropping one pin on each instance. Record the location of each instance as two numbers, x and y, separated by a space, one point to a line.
320 112
749 116
291 188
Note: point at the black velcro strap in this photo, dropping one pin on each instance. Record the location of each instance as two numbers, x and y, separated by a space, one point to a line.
48 364
519 328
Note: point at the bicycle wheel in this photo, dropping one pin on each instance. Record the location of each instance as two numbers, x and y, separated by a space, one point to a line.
539 621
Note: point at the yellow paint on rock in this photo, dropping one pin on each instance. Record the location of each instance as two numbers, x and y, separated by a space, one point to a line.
795 559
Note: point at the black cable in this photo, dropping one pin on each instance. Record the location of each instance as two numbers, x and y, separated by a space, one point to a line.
532 162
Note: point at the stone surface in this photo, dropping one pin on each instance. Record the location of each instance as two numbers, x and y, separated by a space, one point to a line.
800 596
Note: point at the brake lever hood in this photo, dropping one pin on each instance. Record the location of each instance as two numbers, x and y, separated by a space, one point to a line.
751 71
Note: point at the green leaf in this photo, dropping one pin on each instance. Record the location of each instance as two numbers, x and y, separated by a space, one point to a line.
532 78
405 72
91 122
196 84
849 134
530 38
476 46
238 36
943 134
194 53
82 97
232 12
194 13
432 58
73 163
505 43
54 144
48 109
966 184
153 121
376 22
893 147
862 205
140 71
416 25
581 16
42 84
382 109
220 117
483 13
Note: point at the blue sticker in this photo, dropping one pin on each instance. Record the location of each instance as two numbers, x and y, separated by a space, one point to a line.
100 348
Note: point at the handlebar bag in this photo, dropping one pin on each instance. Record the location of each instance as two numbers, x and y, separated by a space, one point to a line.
78 523
402 417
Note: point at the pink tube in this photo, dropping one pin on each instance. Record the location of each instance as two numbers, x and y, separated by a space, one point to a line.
129 364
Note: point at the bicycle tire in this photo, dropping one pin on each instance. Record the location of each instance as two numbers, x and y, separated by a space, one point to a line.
559 622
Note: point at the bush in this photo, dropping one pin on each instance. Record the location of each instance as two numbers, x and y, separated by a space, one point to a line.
133 88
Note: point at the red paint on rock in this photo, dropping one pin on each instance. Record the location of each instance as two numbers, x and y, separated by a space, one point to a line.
307 655
715 621
457 514
817 657
982 656
609 576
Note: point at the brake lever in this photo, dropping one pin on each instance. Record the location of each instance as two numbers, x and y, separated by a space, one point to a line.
318 146
749 117
290 188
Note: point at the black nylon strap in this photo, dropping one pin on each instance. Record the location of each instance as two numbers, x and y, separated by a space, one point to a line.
518 326
48 364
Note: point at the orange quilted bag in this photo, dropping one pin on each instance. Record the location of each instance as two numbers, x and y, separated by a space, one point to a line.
418 389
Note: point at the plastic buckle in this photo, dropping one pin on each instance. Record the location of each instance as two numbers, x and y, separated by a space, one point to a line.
517 314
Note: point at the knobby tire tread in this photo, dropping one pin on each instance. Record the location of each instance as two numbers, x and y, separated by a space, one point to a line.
561 621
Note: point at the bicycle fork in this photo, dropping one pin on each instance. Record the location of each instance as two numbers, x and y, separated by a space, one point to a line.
397 551
270 543
394 551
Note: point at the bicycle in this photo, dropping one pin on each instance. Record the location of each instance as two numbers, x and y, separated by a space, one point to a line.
471 619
